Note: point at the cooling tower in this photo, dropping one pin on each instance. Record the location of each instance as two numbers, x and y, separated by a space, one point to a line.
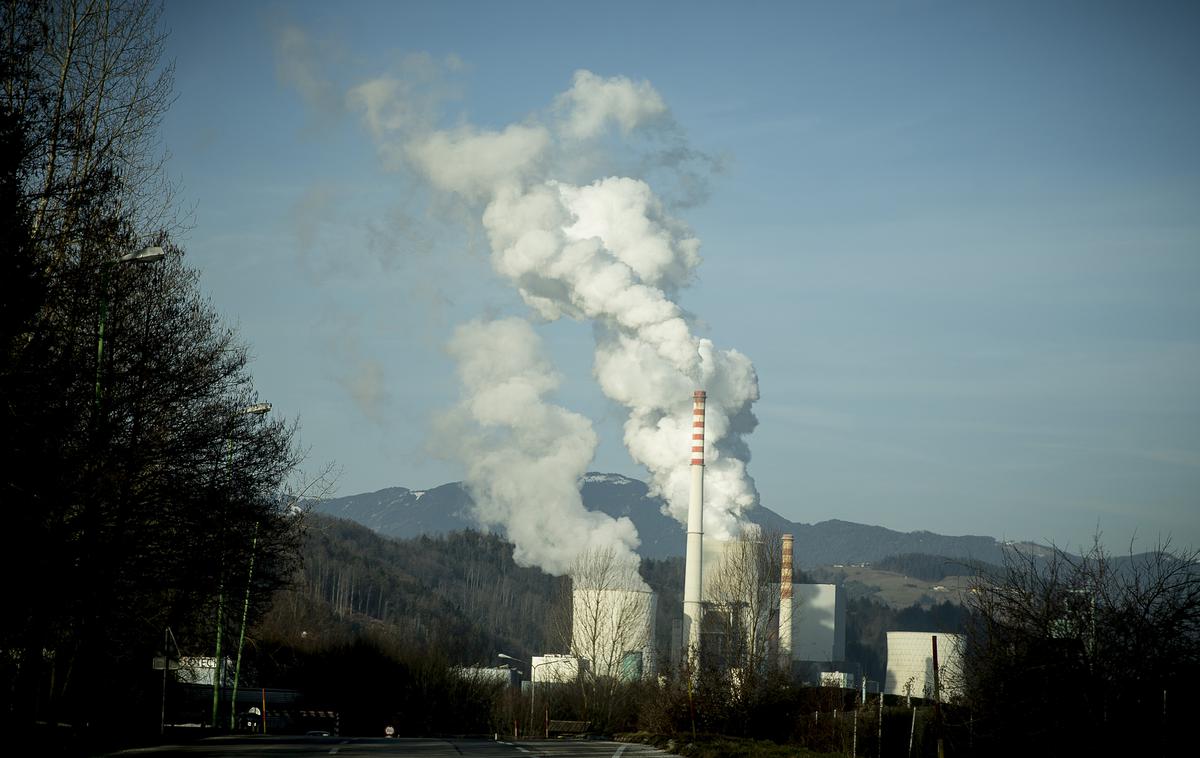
693 567
910 664
613 630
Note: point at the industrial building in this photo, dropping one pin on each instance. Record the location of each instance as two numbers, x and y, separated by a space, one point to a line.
554 668
818 616
910 664
812 630
613 631
842 680
723 604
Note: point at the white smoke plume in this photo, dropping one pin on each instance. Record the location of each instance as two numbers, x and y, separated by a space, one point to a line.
525 456
603 250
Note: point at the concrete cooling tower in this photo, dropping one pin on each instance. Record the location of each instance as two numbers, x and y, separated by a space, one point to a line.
910 664
613 630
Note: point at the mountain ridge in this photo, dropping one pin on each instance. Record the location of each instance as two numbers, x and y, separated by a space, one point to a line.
403 512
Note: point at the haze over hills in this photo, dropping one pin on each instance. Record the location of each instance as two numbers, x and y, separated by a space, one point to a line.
401 512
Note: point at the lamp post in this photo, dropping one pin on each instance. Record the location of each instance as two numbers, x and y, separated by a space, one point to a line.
532 680
168 637
143 256
532 683
257 409
237 667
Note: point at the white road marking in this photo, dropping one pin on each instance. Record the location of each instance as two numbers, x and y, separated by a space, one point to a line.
619 751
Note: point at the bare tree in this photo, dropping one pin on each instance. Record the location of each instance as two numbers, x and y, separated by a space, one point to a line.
136 486
1085 652
92 85
610 629
742 594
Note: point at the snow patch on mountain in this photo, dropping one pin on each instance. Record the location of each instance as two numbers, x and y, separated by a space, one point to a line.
594 478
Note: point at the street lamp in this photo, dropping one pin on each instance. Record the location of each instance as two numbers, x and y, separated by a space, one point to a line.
532 680
532 684
507 657
167 661
258 409
143 256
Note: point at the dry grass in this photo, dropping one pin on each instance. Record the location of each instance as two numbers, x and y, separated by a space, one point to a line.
901 591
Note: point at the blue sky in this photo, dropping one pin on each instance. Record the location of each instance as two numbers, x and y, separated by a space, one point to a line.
960 241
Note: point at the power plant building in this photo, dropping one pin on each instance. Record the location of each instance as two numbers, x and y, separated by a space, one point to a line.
818 615
910 664
554 668
613 631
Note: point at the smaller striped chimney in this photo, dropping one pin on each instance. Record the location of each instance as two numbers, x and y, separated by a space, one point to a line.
693 576
785 605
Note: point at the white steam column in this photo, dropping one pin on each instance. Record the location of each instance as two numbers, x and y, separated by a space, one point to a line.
693 572
785 605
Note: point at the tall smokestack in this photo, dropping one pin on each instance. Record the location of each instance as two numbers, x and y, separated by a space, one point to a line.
692 577
785 605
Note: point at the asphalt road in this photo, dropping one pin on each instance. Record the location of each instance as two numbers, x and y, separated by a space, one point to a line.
343 747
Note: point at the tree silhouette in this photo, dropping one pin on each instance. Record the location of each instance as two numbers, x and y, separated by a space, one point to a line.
132 482
1076 653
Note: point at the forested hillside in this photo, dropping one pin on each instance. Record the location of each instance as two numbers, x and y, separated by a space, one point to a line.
461 592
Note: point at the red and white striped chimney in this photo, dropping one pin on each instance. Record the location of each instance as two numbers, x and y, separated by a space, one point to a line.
785 605
693 566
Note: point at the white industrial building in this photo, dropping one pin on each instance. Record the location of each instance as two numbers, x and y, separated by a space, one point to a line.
910 664
613 631
843 680
554 668
818 623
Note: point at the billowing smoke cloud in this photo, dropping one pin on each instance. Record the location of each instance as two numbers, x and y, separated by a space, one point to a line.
594 103
525 456
605 251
